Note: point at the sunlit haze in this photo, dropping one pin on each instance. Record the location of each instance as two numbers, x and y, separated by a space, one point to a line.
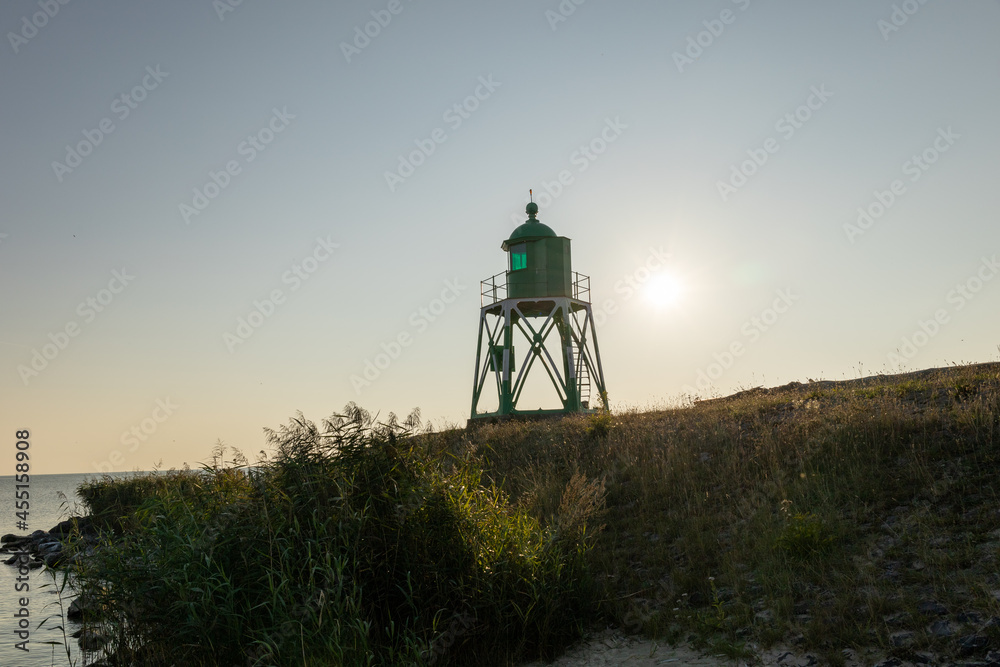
217 214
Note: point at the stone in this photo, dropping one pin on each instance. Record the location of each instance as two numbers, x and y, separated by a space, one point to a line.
941 628
970 644
91 640
889 662
902 639
932 608
80 607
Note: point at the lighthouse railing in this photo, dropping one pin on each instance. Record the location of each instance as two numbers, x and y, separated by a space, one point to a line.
581 286
493 289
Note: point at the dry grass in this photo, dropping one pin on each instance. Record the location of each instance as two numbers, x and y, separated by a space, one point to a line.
818 514
823 516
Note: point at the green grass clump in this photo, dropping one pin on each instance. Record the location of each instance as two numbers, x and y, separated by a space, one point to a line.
353 545
805 535
113 502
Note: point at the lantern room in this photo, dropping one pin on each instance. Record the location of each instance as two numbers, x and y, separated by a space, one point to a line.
538 261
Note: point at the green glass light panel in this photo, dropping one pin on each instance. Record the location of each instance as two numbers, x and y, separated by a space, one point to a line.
519 257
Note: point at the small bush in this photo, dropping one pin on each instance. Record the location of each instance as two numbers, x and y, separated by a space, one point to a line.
599 425
805 535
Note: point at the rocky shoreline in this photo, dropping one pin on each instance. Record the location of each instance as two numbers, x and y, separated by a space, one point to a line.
63 546
50 547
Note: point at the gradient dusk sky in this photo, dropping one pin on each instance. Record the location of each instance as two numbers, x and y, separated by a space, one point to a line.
217 213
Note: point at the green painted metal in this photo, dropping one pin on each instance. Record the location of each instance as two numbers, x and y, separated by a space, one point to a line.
540 298
539 261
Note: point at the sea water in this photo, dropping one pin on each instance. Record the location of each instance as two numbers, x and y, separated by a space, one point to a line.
52 499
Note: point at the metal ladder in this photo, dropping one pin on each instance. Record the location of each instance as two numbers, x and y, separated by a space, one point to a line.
583 380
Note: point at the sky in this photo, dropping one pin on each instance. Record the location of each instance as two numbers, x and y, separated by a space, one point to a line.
217 214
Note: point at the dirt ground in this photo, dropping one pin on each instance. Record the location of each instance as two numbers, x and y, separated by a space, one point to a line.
612 648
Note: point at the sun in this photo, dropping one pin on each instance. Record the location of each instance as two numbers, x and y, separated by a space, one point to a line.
662 290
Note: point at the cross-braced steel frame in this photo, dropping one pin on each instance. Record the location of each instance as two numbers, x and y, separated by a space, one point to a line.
525 324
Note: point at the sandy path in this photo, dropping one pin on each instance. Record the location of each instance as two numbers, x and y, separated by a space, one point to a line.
612 648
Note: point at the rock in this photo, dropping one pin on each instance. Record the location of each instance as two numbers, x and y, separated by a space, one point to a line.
899 618
81 607
49 547
993 658
889 662
941 628
765 616
970 644
10 537
91 640
83 525
973 617
35 564
923 658
16 542
901 639
932 608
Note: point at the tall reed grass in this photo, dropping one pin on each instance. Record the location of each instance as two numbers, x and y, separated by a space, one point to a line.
351 546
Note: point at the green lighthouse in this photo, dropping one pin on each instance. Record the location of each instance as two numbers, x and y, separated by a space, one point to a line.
536 313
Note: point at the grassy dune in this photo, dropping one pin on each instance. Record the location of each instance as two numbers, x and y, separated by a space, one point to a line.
823 516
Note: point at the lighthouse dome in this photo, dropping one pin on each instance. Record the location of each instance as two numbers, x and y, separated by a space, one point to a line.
531 229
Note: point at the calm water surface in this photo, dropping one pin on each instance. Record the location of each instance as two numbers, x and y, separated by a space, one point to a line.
53 498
